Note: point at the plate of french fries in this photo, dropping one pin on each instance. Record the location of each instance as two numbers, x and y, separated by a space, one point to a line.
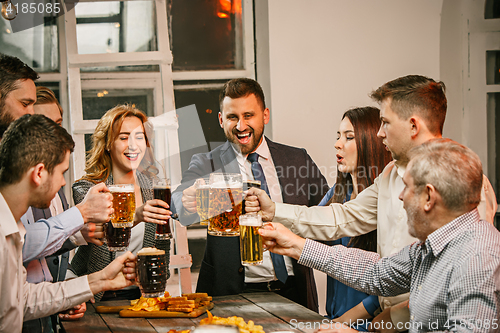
242 325
234 321
187 305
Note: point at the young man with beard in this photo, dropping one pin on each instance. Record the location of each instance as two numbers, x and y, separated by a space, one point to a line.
17 90
450 271
290 175
34 154
413 110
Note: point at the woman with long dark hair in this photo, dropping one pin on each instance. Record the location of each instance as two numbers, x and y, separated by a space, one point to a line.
361 156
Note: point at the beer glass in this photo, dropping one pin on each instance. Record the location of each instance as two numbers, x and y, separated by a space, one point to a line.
123 204
117 239
226 190
151 272
161 191
202 198
247 184
251 247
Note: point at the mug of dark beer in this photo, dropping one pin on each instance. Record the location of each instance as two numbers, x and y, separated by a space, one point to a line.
161 191
151 272
117 239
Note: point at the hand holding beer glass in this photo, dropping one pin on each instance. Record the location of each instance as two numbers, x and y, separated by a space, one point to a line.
248 184
151 272
117 231
226 192
251 247
161 191
202 198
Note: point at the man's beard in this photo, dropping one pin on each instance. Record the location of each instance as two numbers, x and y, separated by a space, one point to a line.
5 119
256 137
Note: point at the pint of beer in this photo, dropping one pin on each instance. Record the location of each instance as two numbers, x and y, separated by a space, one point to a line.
151 271
251 248
202 199
123 204
226 191
161 191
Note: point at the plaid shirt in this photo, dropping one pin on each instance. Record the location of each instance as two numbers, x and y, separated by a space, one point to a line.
453 277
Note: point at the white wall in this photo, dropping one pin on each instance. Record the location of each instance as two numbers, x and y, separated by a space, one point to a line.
327 55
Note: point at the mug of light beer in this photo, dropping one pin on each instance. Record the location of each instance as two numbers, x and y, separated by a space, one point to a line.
119 228
202 198
151 272
226 193
251 247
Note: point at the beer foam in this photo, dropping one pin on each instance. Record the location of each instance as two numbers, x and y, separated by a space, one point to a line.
126 188
150 251
251 222
223 184
163 187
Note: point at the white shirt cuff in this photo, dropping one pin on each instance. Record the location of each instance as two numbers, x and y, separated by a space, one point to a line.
78 239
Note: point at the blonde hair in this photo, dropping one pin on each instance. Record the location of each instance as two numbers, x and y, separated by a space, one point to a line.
46 96
98 164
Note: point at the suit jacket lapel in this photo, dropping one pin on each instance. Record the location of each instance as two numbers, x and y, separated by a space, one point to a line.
229 164
41 213
279 160
63 199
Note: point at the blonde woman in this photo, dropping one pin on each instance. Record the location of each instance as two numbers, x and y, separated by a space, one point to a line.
121 154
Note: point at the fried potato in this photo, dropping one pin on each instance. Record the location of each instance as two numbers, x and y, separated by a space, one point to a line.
237 321
181 302
180 309
195 295
185 303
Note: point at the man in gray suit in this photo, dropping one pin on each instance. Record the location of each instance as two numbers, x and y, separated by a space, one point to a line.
290 176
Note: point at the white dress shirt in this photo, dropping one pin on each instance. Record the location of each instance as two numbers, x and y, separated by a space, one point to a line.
265 271
20 300
37 268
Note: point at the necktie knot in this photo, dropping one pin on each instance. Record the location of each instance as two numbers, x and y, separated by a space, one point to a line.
253 157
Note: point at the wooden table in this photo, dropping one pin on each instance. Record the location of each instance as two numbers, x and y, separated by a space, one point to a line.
273 312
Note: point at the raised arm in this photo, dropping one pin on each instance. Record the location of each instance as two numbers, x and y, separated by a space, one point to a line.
359 269
353 218
45 237
43 299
